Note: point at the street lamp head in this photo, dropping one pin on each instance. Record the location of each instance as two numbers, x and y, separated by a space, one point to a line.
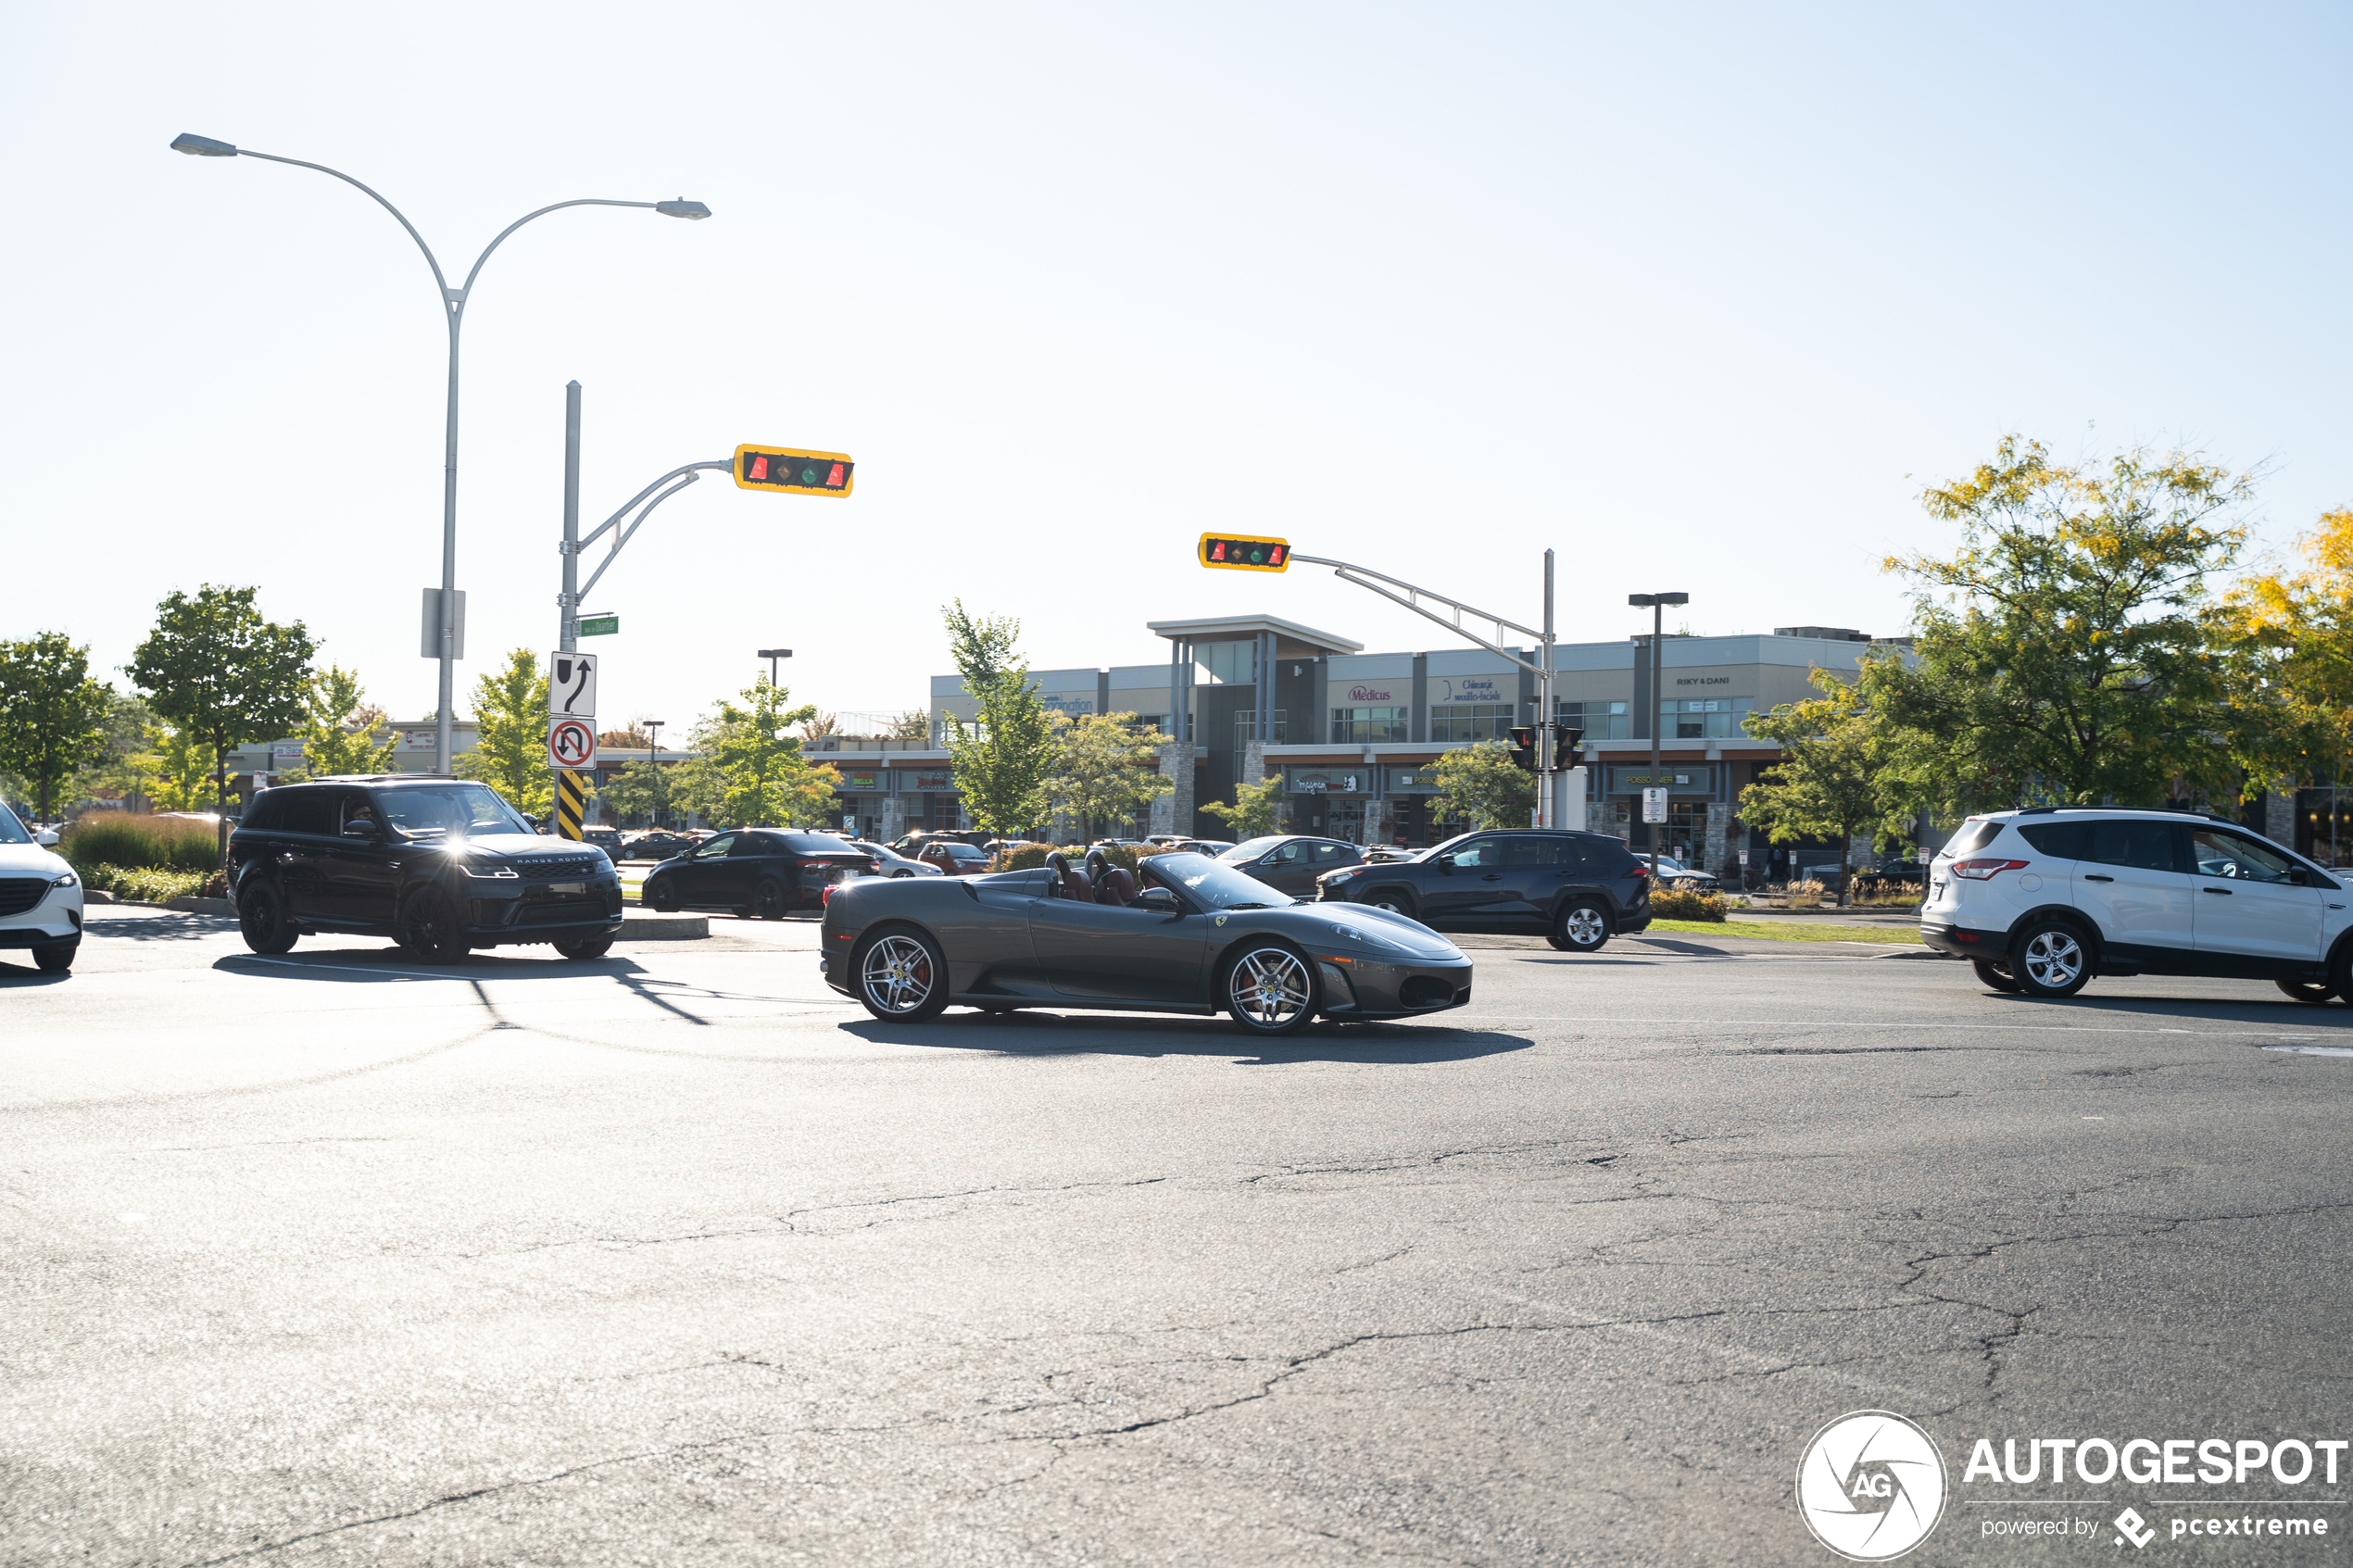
776 653
1646 600
202 147
682 207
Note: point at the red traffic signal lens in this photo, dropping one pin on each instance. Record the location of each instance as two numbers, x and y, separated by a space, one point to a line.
1217 550
759 467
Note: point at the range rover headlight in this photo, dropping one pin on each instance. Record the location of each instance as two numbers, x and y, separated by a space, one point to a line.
491 873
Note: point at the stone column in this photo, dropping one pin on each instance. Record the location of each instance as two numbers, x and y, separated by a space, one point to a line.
1173 812
2279 813
894 818
1714 856
1375 831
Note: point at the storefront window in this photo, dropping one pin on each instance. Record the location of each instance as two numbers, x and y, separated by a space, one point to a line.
1470 720
1599 720
1231 663
2324 825
1702 718
1366 726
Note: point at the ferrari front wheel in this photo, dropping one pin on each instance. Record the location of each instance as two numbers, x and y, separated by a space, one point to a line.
902 976
1270 990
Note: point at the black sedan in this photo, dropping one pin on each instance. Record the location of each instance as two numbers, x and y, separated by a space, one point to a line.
762 871
656 846
1181 935
1577 889
1290 862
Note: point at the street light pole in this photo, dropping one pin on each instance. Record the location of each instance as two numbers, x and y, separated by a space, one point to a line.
772 655
661 796
1658 603
454 311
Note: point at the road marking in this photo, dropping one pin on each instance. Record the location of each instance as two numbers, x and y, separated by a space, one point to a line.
341 968
1907 1023
2312 1050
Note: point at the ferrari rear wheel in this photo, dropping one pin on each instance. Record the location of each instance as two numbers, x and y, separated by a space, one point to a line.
1270 990
902 976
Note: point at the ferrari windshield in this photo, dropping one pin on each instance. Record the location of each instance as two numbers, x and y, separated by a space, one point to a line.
460 810
1206 882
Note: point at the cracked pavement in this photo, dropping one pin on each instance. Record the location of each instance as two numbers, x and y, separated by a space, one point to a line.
678 1258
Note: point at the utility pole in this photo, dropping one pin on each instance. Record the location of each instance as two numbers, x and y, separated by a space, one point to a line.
772 655
653 729
1658 603
1547 809
568 607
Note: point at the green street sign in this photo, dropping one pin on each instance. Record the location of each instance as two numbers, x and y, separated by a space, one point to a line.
600 626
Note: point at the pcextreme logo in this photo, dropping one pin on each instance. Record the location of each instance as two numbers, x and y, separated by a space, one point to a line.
1870 1485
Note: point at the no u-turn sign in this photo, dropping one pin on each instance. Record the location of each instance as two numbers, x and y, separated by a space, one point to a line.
571 743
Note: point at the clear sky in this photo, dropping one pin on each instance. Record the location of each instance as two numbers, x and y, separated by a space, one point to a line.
1700 297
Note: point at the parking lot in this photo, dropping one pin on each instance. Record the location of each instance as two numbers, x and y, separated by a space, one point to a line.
678 1254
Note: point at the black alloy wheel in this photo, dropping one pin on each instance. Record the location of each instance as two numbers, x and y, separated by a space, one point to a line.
2050 960
261 918
55 957
1583 926
428 927
584 947
768 900
902 976
1270 989
2304 991
660 895
1993 976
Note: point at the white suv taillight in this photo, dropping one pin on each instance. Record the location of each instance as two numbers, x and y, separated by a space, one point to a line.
1978 871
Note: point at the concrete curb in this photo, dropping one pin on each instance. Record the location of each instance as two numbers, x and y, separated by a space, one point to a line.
651 927
195 905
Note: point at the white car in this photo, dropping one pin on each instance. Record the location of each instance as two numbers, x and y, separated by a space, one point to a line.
889 862
2041 900
39 896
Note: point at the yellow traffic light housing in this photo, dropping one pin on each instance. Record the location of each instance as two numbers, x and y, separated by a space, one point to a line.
796 473
1245 553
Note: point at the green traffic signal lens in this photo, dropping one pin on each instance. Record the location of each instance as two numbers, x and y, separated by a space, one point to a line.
1257 555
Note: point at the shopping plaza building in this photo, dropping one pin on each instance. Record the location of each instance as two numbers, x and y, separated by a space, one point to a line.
1353 735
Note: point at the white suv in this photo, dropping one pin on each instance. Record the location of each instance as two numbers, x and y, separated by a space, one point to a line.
39 896
2043 899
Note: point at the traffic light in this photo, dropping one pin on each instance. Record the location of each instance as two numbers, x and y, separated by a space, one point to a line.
1564 746
1245 554
799 473
1524 746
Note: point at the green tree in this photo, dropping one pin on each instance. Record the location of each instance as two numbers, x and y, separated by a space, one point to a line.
1833 779
2287 642
1003 759
913 725
764 778
223 676
53 716
1481 785
1106 770
640 790
2062 653
339 729
126 759
1257 809
180 765
510 747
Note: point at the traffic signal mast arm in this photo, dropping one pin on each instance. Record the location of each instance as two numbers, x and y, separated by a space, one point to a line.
690 473
1364 577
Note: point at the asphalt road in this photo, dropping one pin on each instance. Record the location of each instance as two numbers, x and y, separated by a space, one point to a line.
678 1258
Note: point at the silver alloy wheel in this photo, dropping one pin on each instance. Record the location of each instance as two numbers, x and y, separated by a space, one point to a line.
897 974
2053 959
1583 926
1268 987
1391 905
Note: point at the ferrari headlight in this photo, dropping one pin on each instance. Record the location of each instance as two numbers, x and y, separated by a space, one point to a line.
1365 939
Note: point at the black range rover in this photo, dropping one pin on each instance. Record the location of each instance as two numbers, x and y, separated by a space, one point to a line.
440 865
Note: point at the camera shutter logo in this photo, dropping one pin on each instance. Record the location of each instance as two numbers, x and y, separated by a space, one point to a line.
1870 1485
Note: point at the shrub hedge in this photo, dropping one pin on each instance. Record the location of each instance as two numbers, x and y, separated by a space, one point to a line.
1687 906
125 839
143 884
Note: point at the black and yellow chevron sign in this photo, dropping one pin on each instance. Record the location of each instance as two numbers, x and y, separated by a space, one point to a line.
572 802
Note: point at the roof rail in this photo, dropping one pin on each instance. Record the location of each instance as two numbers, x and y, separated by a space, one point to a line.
2158 811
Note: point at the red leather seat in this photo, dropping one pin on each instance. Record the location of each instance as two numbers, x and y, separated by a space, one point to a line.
1076 886
1118 888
